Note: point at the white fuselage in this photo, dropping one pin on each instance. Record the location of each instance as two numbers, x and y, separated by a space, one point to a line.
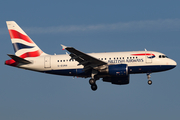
137 61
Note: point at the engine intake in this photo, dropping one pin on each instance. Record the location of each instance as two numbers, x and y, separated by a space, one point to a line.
118 70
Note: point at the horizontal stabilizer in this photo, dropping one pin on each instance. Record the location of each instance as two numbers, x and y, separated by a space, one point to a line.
18 59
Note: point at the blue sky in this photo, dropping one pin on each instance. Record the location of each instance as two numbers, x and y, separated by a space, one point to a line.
91 26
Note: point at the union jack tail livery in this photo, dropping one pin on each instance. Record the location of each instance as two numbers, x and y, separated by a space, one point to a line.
23 45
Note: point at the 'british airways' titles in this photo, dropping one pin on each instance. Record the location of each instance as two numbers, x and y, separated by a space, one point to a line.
127 60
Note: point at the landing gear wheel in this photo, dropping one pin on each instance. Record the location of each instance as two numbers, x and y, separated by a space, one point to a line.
92 81
94 87
149 82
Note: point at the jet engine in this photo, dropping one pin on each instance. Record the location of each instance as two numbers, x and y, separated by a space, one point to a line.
118 70
118 74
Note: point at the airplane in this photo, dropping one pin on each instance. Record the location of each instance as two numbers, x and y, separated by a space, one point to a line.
113 67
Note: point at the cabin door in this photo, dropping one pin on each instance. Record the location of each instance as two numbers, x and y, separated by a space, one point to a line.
47 62
148 57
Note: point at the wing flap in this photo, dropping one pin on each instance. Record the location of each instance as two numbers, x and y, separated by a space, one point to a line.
84 59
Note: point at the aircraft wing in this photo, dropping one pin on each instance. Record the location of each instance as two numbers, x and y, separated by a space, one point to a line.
84 59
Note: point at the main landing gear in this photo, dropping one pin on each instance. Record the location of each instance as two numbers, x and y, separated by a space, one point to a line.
92 82
149 81
93 79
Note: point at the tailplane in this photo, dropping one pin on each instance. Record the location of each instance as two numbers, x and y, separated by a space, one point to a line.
19 60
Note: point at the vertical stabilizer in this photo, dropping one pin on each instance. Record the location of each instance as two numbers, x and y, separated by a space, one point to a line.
22 43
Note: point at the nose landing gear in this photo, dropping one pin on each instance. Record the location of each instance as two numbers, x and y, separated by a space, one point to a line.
149 81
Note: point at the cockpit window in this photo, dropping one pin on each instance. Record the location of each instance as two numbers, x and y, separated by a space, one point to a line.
163 56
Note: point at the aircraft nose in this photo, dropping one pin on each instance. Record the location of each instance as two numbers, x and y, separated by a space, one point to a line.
173 63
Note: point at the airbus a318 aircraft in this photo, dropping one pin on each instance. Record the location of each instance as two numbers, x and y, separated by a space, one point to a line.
113 67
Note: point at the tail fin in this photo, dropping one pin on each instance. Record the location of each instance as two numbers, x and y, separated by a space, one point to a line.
22 43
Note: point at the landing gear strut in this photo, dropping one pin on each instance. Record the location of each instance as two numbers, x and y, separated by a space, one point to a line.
93 79
149 81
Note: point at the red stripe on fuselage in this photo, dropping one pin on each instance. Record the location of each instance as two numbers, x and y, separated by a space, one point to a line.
143 54
17 35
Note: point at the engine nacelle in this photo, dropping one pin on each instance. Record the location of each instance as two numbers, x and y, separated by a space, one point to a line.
118 70
123 80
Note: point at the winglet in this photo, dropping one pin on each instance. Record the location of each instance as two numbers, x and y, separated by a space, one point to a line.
63 47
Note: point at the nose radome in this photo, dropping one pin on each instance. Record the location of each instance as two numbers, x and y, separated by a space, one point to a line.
172 62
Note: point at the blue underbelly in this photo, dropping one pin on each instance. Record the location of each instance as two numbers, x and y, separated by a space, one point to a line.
131 70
